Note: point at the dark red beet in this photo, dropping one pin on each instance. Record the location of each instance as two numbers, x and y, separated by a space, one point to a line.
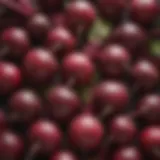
109 96
86 132
112 9
44 137
149 108
80 14
60 39
64 155
24 105
11 146
40 65
129 34
64 102
10 77
145 74
114 60
122 129
144 11
39 25
78 67
127 153
16 42
150 140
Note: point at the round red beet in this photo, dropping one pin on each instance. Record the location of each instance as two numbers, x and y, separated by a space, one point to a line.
61 40
10 77
129 34
39 25
110 96
86 132
45 135
64 155
122 129
24 105
149 108
78 67
80 14
150 140
40 66
127 153
16 41
145 74
114 60
144 11
11 146
64 102
112 9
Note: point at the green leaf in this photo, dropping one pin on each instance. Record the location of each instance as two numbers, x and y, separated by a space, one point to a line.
155 48
100 30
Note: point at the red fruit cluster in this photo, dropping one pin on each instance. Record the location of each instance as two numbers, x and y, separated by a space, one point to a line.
79 80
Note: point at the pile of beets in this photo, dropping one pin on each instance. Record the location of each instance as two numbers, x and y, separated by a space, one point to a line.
79 80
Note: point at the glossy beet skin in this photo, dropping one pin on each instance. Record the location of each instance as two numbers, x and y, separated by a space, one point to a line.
150 140
127 153
60 39
16 41
40 66
63 102
145 74
10 77
129 34
39 25
144 11
114 60
79 68
148 108
80 14
122 129
86 132
11 146
64 155
24 105
46 135
109 95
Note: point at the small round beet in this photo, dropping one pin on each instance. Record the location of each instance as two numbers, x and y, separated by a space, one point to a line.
11 146
16 41
150 140
60 39
122 129
112 9
59 19
129 34
40 65
64 155
64 102
80 14
127 153
114 60
144 11
39 25
145 74
25 105
149 108
78 67
86 132
46 135
111 96
10 77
